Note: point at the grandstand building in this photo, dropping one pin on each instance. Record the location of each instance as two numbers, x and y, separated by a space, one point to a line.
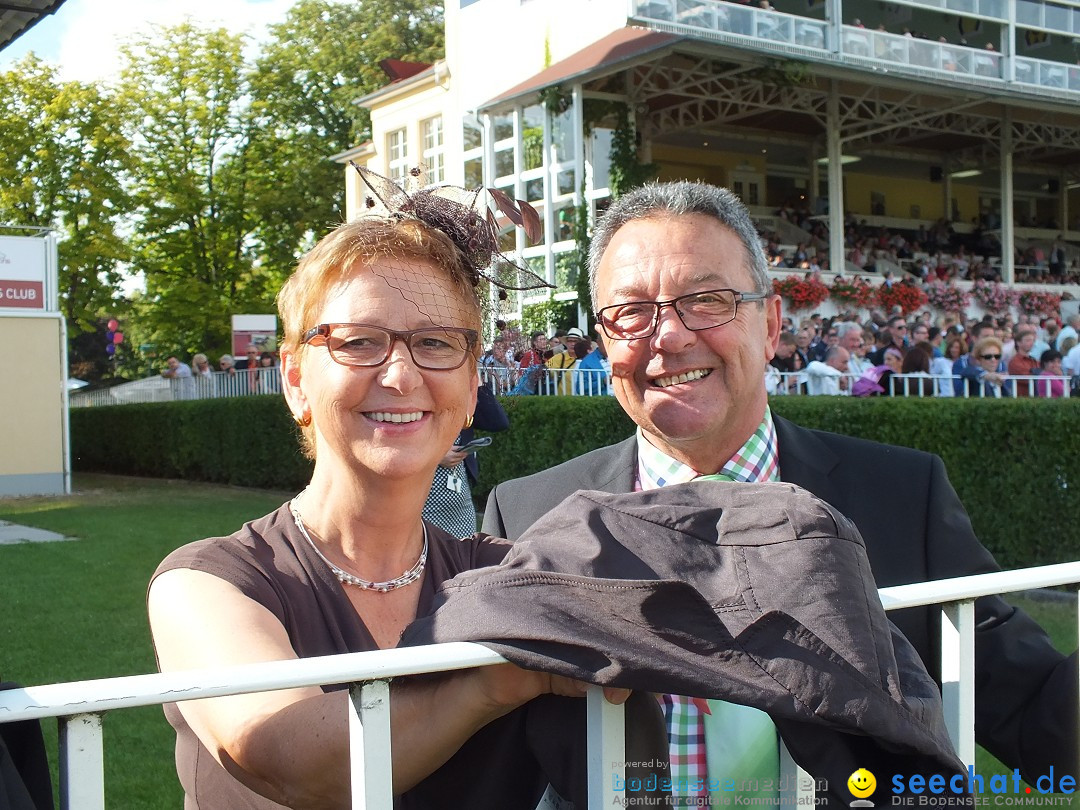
900 113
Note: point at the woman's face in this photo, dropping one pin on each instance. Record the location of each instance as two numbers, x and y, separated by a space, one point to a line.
953 350
989 357
266 361
395 420
894 361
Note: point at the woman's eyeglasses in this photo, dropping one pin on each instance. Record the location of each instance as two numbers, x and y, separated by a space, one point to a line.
437 348
990 356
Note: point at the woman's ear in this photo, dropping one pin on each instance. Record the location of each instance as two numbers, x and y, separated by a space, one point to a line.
291 379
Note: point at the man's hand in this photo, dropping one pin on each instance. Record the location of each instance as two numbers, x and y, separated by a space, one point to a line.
453 457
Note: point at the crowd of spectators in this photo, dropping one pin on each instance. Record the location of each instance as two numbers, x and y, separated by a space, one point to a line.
935 252
921 356
256 373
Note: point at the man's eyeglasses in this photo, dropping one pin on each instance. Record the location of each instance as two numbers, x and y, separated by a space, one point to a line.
990 356
636 320
437 348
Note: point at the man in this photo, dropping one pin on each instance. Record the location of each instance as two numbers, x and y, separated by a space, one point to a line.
687 361
829 377
920 333
251 358
175 370
594 371
1070 330
821 348
850 336
564 360
497 370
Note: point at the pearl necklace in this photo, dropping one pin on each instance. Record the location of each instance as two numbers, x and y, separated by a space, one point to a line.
409 577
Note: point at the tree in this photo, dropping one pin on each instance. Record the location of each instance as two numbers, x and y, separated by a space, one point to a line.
188 115
318 63
62 166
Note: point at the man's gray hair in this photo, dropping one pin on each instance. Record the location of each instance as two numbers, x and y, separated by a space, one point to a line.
844 327
665 200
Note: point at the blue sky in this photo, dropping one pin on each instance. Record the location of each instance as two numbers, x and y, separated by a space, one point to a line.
83 36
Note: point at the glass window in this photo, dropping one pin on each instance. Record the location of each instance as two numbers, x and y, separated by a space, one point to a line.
566 183
474 173
504 163
504 127
534 190
472 133
562 136
600 155
433 150
397 153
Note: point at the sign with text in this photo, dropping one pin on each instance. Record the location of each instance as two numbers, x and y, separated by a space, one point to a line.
23 268
257 330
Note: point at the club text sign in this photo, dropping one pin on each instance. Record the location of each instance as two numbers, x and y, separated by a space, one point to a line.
22 272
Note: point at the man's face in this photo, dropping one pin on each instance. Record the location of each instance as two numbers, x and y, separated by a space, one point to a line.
697 395
498 350
839 361
570 341
920 333
252 353
898 330
852 341
1026 341
173 363
803 338
831 338
784 350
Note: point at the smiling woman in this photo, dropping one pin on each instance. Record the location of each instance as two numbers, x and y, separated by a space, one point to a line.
379 369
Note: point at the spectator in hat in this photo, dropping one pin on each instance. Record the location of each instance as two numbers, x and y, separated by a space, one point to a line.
563 361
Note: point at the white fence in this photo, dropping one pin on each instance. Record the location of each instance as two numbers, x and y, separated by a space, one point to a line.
546 382
80 705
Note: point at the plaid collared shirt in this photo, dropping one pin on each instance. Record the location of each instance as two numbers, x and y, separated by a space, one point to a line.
755 462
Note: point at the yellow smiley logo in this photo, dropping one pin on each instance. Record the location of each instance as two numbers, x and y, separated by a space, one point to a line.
861 783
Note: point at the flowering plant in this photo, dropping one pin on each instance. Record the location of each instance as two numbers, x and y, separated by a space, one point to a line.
1039 303
947 297
906 296
855 293
993 296
801 293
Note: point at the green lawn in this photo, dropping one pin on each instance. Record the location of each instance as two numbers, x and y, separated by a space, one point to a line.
75 611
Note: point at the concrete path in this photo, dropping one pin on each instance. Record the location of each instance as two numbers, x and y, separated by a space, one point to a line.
12 533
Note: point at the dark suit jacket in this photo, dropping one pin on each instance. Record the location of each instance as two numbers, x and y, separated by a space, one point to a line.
915 530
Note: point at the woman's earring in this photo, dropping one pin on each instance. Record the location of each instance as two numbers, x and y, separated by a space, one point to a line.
303 420
468 421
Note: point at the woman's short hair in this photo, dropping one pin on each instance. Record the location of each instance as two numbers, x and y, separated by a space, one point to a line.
985 343
954 340
1048 357
363 242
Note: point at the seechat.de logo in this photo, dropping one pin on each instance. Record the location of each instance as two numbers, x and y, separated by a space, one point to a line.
862 784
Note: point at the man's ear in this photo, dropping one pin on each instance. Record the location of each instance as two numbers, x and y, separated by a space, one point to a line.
772 325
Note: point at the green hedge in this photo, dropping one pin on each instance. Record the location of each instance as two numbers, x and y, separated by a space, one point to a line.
1014 463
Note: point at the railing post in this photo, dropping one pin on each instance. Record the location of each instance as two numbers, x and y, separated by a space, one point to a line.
369 746
606 749
82 763
958 676
796 785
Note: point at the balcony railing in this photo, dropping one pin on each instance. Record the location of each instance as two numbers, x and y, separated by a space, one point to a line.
775 30
80 705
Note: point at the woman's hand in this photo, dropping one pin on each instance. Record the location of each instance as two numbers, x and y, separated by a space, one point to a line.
506 686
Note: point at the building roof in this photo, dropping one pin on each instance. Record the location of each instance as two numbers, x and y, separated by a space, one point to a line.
398 69
19 16
610 52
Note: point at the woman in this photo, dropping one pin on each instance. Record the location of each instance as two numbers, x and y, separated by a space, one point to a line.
1022 364
1050 367
992 381
269 378
378 367
916 370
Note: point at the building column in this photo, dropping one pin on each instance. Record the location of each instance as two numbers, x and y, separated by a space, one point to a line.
1008 238
836 182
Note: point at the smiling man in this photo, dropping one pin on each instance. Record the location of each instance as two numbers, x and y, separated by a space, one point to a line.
685 305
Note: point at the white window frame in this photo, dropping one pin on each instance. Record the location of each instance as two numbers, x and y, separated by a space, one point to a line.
434 149
397 154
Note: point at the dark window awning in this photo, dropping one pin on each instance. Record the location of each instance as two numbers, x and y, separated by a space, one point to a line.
611 53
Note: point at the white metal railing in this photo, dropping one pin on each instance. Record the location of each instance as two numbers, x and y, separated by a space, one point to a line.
800 383
246 382
772 29
79 705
